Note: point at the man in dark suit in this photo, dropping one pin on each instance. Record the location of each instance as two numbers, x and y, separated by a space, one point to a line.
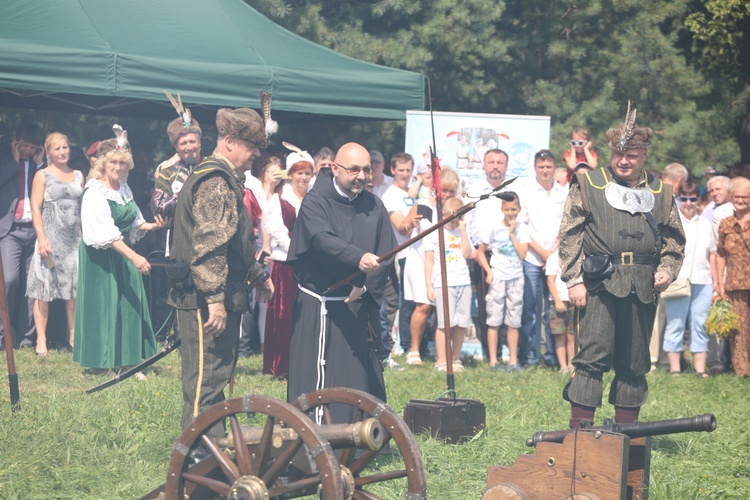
18 164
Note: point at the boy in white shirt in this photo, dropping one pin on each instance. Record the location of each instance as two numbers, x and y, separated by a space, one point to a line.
457 250
509 243
561 318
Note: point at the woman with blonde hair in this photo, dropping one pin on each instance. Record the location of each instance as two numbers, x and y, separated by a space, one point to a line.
56 215
112 325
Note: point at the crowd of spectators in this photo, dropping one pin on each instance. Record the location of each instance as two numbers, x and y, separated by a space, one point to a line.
503 278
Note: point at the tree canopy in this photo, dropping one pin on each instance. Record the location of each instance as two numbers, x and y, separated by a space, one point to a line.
683 63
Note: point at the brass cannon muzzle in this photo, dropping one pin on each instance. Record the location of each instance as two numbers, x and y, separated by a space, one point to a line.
368 434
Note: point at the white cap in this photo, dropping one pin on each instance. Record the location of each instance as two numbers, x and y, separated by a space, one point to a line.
295 157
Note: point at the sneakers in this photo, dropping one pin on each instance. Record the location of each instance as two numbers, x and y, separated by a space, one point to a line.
512 368
392 364
412 358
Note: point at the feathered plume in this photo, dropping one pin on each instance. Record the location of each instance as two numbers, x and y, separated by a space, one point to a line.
271 126
291 147
628 126
122 137
182 111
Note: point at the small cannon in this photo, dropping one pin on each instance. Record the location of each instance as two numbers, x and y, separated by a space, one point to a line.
607 461
274 450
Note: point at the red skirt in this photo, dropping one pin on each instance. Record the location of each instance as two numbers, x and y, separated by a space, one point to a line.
279 320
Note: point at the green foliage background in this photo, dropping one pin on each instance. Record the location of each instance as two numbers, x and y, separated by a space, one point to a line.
685 64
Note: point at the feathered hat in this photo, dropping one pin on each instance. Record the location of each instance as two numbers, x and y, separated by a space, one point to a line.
296 155
185 124
246 124
628 136
119 143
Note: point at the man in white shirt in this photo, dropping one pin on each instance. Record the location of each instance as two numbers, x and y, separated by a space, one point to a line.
485 217
402 210
542 205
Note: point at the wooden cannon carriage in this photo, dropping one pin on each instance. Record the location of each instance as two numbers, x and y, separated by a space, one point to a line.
274 450
610 461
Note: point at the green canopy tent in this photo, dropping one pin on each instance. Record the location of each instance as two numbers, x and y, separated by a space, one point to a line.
116 57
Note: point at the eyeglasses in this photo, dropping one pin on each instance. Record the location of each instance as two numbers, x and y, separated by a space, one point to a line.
354 171
689 198
577 143
544 153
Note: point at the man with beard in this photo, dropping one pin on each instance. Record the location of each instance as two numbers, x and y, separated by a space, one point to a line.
185 136
214 250
614 256
341 228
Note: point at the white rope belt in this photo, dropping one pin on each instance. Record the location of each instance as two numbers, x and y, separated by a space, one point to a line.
321 361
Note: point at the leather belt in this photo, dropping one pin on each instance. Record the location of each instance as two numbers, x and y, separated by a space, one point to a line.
630 258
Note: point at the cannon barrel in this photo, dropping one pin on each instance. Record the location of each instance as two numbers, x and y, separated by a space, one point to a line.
368 434
699 423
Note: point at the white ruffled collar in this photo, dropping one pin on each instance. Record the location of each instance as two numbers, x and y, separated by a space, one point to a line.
122 197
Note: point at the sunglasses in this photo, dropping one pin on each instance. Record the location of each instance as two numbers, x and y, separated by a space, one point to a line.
577 143
355 171
689 198
545 153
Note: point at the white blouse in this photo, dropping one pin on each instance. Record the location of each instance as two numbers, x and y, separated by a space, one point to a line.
98 226
274 222
697 249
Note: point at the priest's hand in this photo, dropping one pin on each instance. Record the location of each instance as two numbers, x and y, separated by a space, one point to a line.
264 292
217 319
354 294
577 294
661 281
368 263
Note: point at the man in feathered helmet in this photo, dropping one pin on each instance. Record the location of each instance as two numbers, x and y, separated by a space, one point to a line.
621 242
214 248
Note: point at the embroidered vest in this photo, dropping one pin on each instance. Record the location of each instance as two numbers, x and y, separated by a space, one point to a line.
240 251
613 232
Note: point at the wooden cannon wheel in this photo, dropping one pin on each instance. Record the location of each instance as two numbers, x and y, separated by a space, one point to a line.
396 429
263 473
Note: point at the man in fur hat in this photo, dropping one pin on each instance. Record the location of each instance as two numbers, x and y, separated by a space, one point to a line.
214 248
171 174
621 241
184 134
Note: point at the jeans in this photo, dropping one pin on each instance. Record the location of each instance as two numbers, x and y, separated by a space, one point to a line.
535 293
697 305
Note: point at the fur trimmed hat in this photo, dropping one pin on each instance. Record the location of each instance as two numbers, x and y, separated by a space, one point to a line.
244 124
185 124
628 136
177 128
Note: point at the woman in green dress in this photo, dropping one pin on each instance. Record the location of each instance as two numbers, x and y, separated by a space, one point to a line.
112 323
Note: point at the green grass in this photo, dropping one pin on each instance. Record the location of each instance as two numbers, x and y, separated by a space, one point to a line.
117 443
